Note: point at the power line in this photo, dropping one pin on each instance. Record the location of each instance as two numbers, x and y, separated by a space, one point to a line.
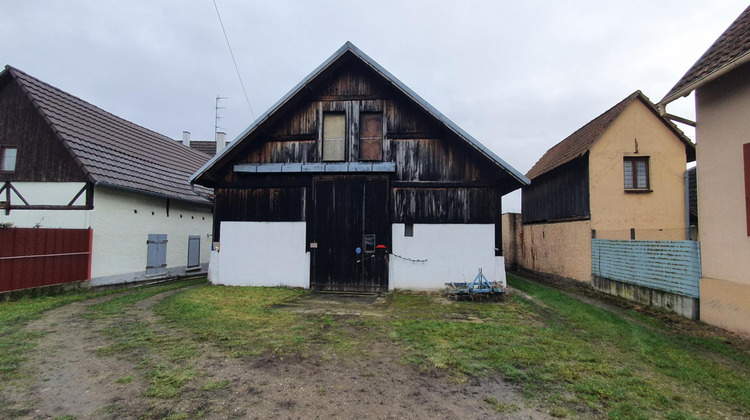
233 60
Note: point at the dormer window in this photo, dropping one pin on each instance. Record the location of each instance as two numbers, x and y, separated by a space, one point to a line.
8 159
334 137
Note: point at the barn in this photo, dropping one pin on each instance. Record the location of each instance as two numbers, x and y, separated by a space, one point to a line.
352 182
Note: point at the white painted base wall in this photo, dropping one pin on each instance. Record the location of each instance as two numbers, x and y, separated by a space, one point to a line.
262 254
452 252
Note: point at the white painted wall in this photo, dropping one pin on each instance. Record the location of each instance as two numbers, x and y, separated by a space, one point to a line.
454 252
121 222
263 254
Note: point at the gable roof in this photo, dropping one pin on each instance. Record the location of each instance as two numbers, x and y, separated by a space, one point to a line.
111 151
730 50
581 141
346 49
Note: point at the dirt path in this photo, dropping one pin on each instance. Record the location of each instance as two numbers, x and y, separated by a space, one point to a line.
70 379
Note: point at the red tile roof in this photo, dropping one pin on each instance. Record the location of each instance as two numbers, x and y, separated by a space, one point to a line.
732 46
112 151
581 141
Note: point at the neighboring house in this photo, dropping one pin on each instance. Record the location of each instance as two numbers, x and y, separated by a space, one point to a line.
353 182
623 170
721 81
68 164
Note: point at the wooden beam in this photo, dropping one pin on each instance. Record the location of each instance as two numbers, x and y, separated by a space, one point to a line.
680 119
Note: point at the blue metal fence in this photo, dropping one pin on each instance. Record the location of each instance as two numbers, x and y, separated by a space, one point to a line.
670 266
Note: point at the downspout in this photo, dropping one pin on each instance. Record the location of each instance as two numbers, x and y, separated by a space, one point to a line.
687 204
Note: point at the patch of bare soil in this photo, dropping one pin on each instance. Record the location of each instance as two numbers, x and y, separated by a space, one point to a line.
70 379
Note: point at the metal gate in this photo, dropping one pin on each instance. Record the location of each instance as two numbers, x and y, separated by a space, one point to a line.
350 234
156 258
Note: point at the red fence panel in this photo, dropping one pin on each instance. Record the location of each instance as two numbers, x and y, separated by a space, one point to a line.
31 257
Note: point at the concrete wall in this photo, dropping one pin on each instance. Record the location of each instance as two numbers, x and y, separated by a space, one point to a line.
451 252
262 254
722 109
614 209
121 222
562 249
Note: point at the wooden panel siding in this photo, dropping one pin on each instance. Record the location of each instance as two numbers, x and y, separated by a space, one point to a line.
670 266
286 204
446 205
41 156
558 195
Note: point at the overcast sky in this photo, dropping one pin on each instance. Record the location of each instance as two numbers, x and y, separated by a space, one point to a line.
519 76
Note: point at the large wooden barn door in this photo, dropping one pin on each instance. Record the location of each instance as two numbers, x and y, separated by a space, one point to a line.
350 234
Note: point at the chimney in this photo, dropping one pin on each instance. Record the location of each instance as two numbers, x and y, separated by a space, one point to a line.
221 141
186 138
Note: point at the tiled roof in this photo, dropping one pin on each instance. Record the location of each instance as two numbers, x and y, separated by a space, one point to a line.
204 146
112 151
578 143
732 45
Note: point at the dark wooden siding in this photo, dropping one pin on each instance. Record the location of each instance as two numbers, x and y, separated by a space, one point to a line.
41 156
438 178
561 194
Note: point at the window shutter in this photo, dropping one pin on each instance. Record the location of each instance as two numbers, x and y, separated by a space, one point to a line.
746 154
371 136
334 137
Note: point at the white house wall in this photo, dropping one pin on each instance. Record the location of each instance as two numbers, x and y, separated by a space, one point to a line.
441 253
262 254
122 222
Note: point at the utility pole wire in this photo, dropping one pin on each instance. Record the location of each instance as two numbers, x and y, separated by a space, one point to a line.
233 60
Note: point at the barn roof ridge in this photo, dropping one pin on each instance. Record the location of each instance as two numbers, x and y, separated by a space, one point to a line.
350 47
110 150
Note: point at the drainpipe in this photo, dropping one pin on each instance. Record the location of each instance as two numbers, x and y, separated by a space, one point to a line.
687 204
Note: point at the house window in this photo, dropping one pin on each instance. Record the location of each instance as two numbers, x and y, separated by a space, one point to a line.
746 155
371 136
636 174
8 159
334 137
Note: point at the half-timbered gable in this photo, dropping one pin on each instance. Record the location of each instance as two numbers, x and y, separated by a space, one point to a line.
351 152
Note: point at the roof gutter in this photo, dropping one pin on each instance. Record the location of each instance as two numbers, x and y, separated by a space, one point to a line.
152 194
701 82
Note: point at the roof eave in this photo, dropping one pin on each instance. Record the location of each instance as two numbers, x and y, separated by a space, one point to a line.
704 80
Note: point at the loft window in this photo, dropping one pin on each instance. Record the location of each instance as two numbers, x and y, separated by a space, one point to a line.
636 174
8 159
334 137
371 136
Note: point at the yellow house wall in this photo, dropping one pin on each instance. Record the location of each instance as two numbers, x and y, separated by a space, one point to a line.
613 211
562 249
723 126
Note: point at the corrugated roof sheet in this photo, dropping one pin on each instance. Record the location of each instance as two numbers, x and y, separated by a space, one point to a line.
113 151
580 142
348 47
731 46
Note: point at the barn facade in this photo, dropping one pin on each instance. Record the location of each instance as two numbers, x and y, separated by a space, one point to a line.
352 182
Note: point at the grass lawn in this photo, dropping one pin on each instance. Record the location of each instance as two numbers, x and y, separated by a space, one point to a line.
575 358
